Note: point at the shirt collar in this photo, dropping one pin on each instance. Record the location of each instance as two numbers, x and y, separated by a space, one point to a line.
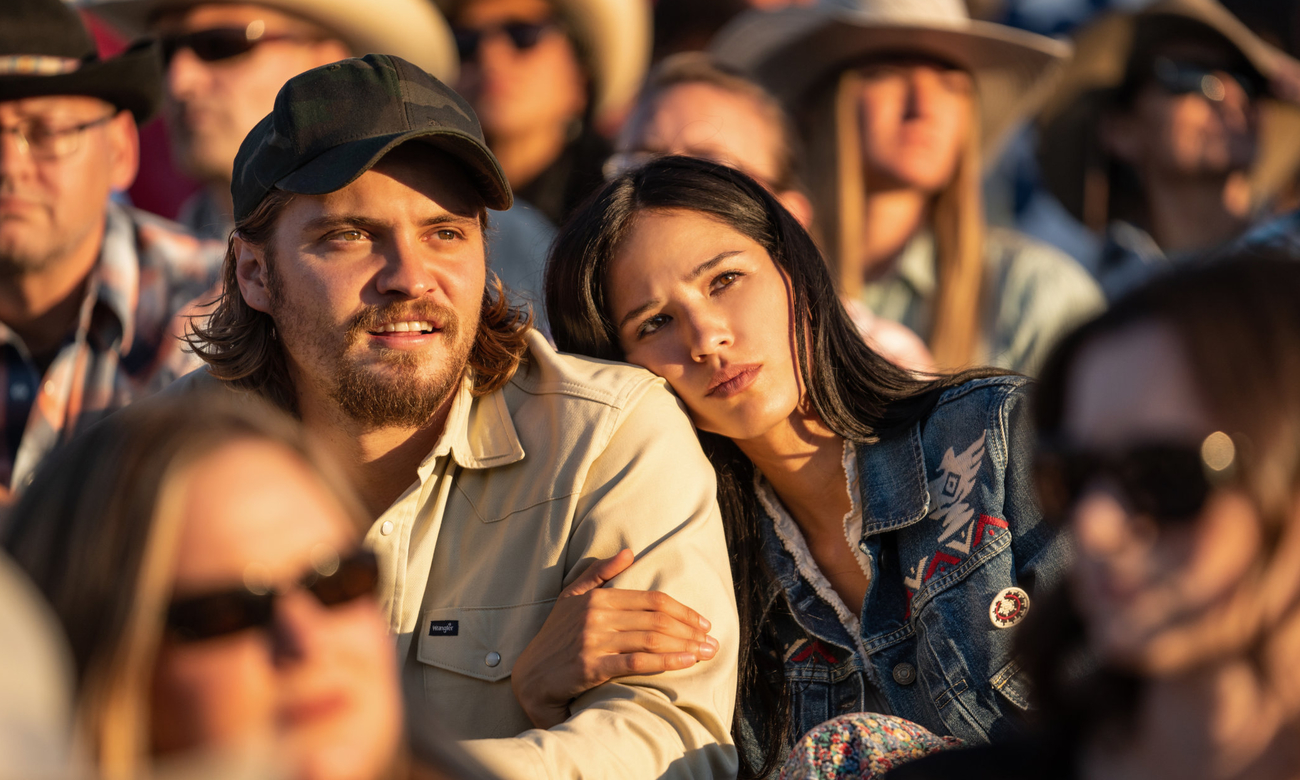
116 278
916 264
478 434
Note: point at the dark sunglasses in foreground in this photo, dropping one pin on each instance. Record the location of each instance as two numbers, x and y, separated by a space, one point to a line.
221 43
522 35
333 582
1168 482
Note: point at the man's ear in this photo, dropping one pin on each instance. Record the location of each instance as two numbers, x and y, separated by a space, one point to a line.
252 274
123 151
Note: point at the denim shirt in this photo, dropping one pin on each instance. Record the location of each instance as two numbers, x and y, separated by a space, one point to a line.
948 522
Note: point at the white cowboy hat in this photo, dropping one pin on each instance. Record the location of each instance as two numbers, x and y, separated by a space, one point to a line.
411 29
794 50
614 39
1069 155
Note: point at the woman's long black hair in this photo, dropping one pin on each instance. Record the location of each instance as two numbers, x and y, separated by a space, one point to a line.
856 393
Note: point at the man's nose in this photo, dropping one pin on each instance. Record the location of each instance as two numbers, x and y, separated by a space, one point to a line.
15 154
186 73
1103 525
405 271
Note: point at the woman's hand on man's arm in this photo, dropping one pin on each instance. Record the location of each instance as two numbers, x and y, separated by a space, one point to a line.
596 634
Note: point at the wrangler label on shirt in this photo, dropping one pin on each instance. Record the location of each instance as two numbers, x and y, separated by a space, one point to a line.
444 628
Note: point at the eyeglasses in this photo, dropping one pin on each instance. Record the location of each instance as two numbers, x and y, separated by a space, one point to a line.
1166 481
221 43
1186 78
522 35
333 581
37 138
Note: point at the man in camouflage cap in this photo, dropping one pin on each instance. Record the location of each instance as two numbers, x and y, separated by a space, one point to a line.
496 470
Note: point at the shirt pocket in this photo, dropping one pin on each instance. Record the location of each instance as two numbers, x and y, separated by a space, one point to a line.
480 642
1013 684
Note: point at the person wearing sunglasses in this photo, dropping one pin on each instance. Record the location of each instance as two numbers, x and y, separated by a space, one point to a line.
1171 454
205 562
545 77
91 291
225 61
1172 130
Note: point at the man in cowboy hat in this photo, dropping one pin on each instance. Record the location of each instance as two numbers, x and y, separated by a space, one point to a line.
89 290
496 469
1167 133
225 61
544 77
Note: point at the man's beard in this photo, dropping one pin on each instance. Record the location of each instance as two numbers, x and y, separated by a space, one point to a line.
400 396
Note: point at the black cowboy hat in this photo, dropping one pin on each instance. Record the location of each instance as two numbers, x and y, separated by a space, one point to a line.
45 49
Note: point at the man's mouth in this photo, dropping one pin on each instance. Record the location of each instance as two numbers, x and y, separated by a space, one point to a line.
410 326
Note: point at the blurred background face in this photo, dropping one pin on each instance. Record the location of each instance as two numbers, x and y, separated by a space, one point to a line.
701 120
211 105
321 684
1158 595
53 192
519 70
1194 118
916 117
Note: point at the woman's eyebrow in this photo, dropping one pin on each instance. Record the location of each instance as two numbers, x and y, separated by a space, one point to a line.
695 273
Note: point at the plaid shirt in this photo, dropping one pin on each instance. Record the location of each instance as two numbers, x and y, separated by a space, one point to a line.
126 344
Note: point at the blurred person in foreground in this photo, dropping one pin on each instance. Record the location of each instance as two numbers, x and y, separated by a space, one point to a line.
205 562
1171 129
495 469
225 62
1170 450
91 292
900 105
692 106
546 79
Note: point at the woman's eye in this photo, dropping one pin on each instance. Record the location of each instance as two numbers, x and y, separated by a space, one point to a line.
651 325
726 279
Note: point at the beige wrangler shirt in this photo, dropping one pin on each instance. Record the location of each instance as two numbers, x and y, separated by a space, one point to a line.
572 461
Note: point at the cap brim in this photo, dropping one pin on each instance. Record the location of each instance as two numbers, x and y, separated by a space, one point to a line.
131 81
340 166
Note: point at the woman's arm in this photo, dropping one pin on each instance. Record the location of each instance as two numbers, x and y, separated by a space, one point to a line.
596 634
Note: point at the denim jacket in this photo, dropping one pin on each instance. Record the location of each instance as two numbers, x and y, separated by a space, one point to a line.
948 522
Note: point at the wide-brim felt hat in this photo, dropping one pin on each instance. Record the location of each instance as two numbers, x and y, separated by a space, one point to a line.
795 50
411 29
614 41
1069 154
45 49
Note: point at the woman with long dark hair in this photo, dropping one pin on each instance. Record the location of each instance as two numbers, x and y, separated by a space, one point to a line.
881 527
1171 452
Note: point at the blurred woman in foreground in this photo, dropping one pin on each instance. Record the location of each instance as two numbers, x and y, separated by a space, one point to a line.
205 564
1171 450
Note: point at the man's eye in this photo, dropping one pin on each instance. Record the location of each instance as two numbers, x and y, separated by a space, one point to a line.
448 235
350 235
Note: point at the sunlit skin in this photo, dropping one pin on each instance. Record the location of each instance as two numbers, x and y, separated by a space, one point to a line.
527 99
405 237
707 309
321 687
52 211
701 120
916 118
1155 596
211 106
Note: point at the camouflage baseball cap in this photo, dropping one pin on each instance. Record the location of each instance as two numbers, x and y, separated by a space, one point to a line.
333 123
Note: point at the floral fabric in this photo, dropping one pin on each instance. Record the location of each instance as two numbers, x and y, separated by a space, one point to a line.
860 746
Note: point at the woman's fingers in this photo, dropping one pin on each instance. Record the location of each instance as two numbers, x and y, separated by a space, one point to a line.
647 601
622 665
650 642
656 622
599 573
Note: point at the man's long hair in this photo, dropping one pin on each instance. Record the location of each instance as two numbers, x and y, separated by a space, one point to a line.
240 346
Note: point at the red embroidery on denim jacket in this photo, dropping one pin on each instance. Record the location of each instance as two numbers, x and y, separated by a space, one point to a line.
814 647
987 525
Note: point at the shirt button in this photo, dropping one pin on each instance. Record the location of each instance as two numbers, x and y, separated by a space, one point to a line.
904 674
493 658
386 528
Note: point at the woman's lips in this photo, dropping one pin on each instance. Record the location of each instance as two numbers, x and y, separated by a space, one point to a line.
306 711
731 380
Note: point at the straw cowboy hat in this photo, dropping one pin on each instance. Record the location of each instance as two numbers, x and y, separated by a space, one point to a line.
412 29
613 38
794 50
1072 161
46 50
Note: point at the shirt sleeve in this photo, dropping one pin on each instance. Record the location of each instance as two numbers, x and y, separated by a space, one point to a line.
652 490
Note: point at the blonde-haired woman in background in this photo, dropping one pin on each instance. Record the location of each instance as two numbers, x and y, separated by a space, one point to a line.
900 105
